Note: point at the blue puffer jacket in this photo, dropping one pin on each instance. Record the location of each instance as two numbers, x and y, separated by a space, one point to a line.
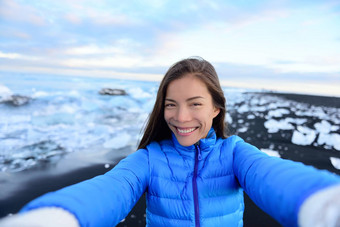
200 185
193 184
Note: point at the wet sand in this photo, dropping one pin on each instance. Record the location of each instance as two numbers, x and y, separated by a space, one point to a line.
19 188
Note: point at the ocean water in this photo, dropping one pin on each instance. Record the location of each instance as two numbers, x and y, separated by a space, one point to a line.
59 115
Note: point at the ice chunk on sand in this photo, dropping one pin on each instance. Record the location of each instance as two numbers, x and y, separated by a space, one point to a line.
298 121
274 126
332 139
242 109
325 127
275 105
278 112
335 162
271 152
251 116
243 129
303 136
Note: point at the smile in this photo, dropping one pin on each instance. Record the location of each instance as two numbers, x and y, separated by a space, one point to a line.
185 130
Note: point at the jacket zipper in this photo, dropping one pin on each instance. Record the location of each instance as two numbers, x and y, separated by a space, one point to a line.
194 185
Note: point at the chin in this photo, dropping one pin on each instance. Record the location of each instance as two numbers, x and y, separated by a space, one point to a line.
185 143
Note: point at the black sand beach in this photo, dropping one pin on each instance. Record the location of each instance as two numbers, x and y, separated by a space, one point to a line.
19 188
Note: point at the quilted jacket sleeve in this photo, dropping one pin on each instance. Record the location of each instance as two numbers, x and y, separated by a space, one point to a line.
104 200
277 186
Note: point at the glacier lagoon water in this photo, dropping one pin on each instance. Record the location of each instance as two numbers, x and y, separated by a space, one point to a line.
67 114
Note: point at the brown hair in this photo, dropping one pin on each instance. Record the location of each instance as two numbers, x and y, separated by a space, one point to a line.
156 128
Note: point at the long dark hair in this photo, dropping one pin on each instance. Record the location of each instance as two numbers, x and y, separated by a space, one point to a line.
156 128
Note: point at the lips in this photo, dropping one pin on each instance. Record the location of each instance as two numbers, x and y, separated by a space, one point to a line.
185 131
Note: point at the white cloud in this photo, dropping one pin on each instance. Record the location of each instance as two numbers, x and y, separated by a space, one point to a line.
14 57
10 55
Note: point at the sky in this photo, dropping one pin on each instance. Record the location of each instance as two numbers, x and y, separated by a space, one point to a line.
282 45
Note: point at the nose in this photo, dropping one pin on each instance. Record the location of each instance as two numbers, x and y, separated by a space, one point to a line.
183 114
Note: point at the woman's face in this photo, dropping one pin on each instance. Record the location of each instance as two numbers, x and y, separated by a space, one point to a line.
189 109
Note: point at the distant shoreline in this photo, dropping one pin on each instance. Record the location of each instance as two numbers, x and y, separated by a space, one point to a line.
157 77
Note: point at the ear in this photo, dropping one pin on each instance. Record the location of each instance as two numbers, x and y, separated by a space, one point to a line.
216 111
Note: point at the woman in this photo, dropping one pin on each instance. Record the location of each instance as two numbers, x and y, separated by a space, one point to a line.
192 173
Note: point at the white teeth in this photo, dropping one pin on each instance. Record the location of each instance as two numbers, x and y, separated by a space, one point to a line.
185 130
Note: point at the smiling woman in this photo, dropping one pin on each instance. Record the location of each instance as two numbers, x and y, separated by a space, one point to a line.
191 172
189 110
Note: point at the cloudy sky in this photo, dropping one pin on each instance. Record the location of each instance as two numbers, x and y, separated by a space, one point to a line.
280 45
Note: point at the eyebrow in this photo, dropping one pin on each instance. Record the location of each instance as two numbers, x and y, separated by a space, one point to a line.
189 99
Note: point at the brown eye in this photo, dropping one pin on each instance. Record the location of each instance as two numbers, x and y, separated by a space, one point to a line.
169 105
